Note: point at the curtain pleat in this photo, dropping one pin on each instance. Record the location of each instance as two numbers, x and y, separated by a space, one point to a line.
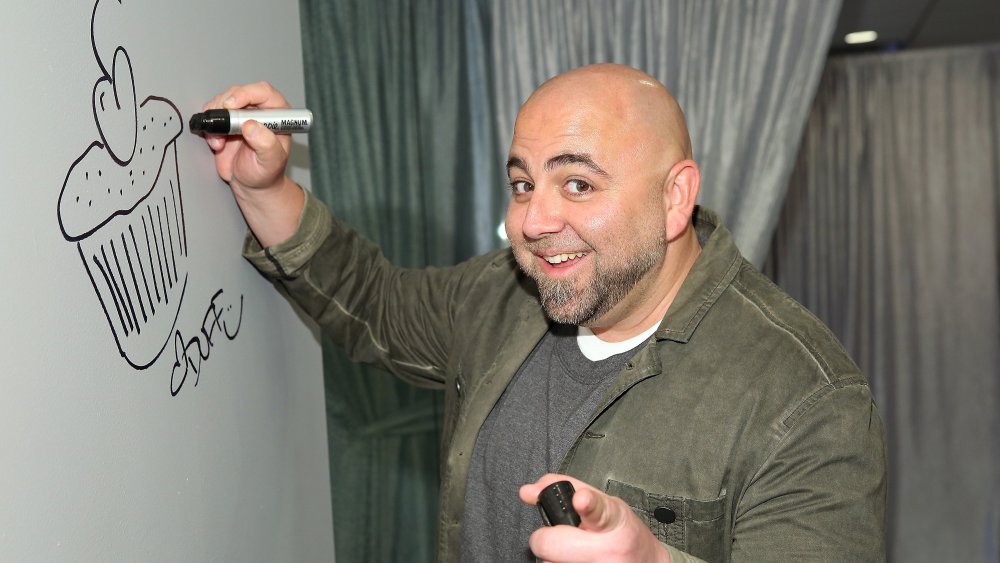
890 234
387 82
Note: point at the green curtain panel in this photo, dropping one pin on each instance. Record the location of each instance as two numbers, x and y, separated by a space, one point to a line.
414 104
890 234
389 154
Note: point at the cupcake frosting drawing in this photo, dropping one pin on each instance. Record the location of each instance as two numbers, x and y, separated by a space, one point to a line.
121 205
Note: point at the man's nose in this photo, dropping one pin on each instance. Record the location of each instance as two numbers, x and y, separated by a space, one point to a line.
544 214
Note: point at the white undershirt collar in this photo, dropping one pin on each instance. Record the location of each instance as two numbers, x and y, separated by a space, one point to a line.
596 349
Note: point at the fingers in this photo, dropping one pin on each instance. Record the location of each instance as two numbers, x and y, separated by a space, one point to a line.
529 493
216 142
564 544
257 158
256 95
598 512
609 530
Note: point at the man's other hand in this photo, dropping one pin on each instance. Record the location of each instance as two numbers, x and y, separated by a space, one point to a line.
609 531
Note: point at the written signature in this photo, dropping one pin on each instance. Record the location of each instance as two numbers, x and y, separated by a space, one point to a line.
220 319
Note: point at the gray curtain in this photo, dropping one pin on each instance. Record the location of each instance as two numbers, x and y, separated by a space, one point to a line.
744 71
890 234
387 84
415 100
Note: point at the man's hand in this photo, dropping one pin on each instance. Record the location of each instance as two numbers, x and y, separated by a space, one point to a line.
253 164
609 531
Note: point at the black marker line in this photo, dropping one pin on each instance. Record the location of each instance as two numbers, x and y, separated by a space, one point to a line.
93 40
142 270
173 253
121 300
159 259
110 80
159 255
166 263
101 296
152 267
225 329
173 325
135 282
111 290
131 306
77 235
128 326
180 199
182 235
100 146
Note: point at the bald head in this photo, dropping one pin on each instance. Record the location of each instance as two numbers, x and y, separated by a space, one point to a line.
628 101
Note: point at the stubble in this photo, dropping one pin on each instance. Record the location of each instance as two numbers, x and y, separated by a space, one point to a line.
579 301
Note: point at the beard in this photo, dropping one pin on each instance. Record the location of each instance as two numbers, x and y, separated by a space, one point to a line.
579 301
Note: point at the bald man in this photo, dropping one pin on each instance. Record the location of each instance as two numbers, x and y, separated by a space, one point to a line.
621 343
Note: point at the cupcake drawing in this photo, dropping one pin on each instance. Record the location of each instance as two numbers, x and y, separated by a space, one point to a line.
121 205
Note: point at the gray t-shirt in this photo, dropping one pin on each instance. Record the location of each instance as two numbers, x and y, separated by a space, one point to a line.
529 431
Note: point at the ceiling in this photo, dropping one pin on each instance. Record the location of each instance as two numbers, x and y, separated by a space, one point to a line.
909 24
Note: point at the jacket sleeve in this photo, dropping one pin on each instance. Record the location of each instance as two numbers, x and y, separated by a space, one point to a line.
398 319
820 495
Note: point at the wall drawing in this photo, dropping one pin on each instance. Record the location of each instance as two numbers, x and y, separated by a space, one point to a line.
121 205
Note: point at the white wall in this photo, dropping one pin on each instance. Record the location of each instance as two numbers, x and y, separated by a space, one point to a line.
106 451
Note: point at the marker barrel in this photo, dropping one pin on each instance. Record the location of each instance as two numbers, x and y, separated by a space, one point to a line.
230 122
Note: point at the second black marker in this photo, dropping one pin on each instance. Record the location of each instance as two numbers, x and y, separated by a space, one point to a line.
230 121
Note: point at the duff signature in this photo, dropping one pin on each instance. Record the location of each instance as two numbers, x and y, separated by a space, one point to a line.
220 320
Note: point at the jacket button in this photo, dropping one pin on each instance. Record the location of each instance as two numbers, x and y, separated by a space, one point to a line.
664 515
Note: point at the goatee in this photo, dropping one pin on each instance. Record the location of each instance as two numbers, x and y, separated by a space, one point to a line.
570 301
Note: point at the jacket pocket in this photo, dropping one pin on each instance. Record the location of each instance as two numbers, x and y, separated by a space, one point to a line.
694 526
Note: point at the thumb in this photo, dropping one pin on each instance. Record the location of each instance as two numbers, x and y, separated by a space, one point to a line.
265 145
599 512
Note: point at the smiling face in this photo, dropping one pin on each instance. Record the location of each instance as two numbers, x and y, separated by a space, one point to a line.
588 167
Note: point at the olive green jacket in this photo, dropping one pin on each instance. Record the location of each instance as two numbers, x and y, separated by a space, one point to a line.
742 419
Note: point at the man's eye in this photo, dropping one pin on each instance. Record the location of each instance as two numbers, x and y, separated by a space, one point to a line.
578 187
520 187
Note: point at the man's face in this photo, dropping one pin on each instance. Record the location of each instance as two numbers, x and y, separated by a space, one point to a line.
586 217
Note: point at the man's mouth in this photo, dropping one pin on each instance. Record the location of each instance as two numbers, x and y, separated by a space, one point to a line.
565 257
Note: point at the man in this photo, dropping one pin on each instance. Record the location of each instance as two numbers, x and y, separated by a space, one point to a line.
622 343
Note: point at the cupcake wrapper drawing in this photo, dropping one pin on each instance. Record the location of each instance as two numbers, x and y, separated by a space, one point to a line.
121 205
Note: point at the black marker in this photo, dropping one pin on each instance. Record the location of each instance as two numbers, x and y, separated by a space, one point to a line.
230 121
555 503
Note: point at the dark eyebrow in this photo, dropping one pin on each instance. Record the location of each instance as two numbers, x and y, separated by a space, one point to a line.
516 162
559 160
575 158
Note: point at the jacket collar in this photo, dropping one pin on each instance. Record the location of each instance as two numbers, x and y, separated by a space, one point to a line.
711 274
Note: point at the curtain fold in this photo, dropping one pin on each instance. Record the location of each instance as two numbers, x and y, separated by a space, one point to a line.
890 234
387 82
744 71
414 103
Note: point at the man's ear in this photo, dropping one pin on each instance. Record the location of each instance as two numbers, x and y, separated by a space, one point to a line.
679 196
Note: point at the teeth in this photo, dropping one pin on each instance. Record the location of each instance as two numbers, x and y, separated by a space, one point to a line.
560 258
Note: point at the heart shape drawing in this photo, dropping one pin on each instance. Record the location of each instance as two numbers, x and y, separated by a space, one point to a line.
115 108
